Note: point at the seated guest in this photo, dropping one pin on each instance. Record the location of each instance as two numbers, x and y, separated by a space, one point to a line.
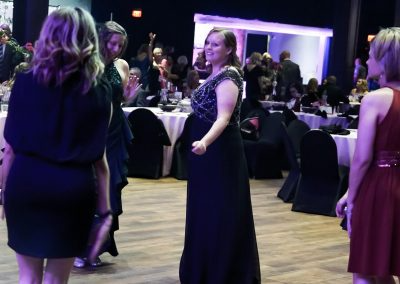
140 99
334 93
192 82
295 91
311 98
200 65
359 91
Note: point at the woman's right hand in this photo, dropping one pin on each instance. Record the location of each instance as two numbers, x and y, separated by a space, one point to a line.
341 206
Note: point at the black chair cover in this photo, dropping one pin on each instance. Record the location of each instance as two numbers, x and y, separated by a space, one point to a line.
289 116
264 156
288 189
296 130
146 150
320 184
181 151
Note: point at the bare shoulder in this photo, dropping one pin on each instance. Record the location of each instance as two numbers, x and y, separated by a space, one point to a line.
378 101
121 64
380 97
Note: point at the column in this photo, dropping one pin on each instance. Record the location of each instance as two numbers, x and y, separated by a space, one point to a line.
28 17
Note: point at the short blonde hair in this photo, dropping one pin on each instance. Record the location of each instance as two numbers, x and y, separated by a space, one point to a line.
68 45
385 48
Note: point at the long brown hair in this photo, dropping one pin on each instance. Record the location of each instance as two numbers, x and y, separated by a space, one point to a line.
107 30
230 42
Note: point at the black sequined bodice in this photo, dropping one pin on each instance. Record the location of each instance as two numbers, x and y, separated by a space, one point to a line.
204 99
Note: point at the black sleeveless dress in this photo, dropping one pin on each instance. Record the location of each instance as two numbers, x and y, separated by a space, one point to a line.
119 136
57 134
220 242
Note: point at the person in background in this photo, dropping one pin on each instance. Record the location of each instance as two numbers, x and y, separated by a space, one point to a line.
143 60
10 53
192 83
220 241
359 91
360 72
200 65
372 202
334 94
288 73
296 92
310 98
55 174
113 42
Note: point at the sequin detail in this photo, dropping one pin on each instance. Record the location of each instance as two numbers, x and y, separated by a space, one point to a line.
387 159
204 99
113 77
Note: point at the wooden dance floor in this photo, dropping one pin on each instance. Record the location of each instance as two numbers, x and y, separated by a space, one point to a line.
294 248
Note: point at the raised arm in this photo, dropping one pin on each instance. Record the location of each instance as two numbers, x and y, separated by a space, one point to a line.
150 48
227 93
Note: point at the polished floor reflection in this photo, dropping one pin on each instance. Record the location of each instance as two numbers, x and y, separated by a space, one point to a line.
294 248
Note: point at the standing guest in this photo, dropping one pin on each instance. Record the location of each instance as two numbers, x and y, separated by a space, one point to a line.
373 199
360 72
289 73
50 169
9 55
220 241
144 59
113 42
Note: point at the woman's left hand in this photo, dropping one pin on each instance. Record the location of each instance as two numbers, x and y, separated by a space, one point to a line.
199 147
131 88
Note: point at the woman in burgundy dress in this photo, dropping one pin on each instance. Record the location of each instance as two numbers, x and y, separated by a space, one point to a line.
373 198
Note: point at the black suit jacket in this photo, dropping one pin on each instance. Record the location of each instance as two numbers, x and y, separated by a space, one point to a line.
290 73
9 60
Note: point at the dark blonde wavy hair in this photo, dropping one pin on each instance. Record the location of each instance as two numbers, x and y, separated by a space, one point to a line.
107 30
230 42
68 45
385 48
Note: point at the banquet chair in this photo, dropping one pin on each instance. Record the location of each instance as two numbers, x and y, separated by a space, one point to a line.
296 130
320 184
182 148
264 155
288 116
288 189
353 124
146 150
153 102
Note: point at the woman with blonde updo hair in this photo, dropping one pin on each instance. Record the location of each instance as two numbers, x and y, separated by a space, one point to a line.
372 202
55 173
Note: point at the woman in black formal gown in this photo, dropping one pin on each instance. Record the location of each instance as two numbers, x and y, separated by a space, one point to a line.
220 241
56 130
113 41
